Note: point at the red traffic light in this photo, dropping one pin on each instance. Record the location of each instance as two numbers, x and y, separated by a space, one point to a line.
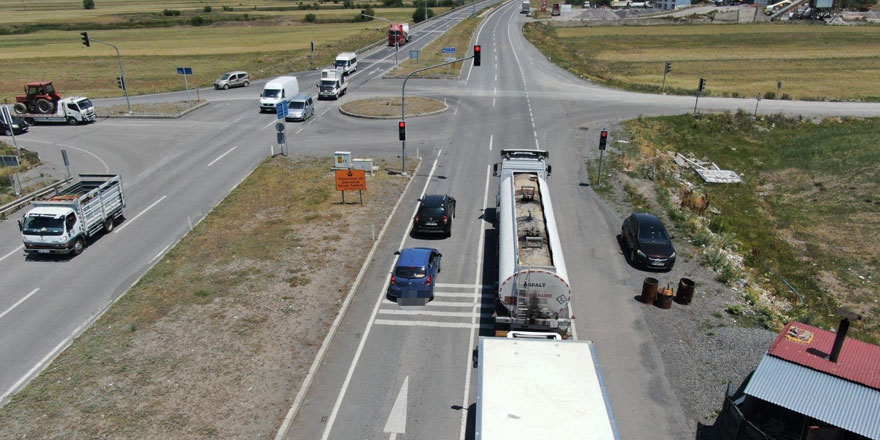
477 52
603 139
401 130
401 124
604 134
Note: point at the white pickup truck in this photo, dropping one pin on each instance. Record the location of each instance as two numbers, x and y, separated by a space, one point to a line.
63 222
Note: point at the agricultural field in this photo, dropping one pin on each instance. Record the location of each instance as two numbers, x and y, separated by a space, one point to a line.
270 40
812 62
785 236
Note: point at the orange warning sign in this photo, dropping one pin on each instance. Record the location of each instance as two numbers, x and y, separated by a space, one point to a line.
351 180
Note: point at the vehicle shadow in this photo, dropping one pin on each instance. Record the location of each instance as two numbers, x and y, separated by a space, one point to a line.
470 425
489 277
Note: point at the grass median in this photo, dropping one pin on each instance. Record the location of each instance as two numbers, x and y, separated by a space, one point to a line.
812 62
216 338
786 236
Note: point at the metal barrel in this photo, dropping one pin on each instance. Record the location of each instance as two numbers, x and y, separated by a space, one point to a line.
664 298
649 290
685 292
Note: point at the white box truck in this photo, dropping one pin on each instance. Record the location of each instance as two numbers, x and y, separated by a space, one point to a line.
74 110
276 91
333 84
62 223
541 389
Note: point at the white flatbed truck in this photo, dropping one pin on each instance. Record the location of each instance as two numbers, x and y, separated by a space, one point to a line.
531 389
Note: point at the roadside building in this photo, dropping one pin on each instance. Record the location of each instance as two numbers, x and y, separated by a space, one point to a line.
671 4
812 384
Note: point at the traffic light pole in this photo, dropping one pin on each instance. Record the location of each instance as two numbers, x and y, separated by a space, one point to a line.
403 105
121 70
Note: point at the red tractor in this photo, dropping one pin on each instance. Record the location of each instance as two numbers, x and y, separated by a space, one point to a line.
40 98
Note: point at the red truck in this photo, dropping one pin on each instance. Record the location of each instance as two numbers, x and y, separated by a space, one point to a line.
398 34
555 10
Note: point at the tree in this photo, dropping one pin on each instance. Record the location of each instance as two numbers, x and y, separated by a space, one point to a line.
419 15
88 4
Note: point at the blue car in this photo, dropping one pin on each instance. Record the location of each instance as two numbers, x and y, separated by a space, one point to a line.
414 275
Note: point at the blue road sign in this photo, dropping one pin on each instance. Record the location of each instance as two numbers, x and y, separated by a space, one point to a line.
448 50
281 109
184 71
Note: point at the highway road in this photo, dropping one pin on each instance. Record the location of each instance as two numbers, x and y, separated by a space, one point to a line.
389 372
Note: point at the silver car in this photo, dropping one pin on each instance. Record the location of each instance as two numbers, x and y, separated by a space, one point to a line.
232 79
300 108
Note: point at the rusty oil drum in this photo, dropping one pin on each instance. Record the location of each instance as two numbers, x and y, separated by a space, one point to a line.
685 292
649 290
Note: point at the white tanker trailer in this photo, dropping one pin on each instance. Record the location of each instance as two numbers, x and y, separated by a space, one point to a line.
532 281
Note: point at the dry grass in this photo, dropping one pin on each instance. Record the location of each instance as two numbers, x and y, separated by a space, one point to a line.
385 107
812 62
215 340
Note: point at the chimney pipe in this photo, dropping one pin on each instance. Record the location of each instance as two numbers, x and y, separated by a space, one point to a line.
838 340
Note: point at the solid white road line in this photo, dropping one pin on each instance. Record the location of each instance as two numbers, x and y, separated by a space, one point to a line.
128 222
270 124
106 167
13 251
301 129
236 120
366 333
19 302
467 376
222 155
325 111
491 136
159 254
477 40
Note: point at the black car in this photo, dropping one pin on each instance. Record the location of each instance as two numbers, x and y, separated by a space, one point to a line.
435 214
647 241
19 126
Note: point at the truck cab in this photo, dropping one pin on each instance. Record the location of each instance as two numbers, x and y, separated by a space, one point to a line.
51 230
333 84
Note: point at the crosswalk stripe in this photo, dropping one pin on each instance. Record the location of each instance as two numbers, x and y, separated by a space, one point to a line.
458 304
462 294
425 313
430 324
464 286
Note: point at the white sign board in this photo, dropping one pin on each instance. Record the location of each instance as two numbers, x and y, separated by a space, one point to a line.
565 8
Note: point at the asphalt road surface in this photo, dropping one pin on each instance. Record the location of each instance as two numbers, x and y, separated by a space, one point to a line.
389 372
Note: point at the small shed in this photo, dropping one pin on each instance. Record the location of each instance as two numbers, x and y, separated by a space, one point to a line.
812 384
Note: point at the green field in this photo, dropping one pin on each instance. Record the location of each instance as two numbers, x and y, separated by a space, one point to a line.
813 62
273 39
807 212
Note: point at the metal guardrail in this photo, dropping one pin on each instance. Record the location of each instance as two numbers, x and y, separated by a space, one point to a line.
24 200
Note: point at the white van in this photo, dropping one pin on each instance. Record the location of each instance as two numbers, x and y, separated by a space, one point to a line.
347 61
277 90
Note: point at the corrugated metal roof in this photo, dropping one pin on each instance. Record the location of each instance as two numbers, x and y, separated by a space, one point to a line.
810 346
838 402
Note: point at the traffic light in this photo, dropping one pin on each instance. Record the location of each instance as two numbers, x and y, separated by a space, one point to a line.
85 37
668 67
120 81
401 128
702 84
603 139
477 55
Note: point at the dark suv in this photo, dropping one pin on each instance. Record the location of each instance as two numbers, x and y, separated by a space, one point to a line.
648 242
435 214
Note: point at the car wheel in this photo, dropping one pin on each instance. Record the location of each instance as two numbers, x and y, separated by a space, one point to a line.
225 86
247 83
8 133
78 246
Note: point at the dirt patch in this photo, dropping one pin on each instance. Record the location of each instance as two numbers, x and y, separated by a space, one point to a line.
216 339
389 108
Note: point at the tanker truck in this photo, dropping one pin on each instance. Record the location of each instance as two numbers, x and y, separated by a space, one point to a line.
533 290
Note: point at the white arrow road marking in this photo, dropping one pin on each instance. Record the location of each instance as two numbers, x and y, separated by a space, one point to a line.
396 423
19 302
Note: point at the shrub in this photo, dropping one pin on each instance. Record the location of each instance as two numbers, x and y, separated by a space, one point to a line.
735 310
207 8
170 12
419 14
227 8
729 273
88 4
311 18
770 95
714 258
198 20
702 238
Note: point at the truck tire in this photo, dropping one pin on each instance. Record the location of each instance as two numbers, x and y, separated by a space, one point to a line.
108 225
71 120
19 108
30 121
45 106
78 246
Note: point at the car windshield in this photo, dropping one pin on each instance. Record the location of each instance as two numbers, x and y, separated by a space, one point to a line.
340 63
43 226
431 210
296 105
225 76
410 272
84 103
652 234
271 93
328 85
